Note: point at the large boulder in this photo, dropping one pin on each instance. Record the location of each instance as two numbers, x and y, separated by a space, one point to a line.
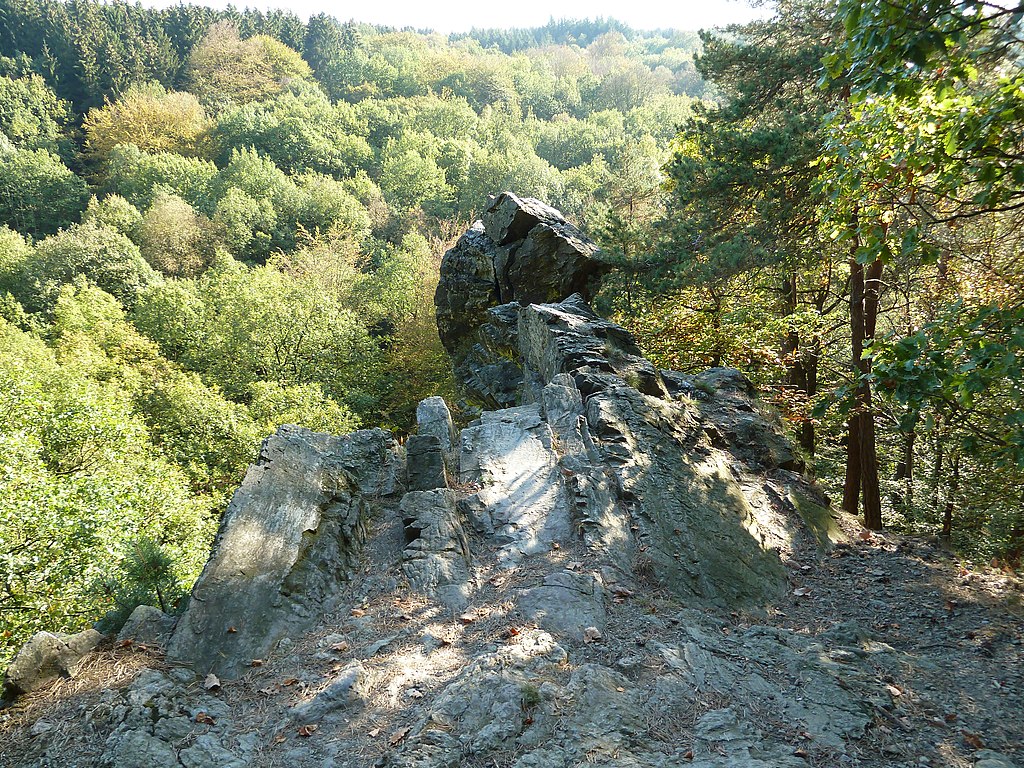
288 539
522 251
47 657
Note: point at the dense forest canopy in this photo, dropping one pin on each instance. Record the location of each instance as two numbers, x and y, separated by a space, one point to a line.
213 223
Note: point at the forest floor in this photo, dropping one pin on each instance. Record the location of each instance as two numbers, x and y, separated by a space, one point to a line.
961 632
956 691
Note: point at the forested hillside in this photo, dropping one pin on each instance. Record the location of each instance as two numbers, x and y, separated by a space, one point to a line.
213 223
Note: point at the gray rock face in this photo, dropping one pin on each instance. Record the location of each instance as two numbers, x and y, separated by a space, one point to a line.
511 456
288 539
523 251
345 692
147 625
436 558
565 604
525 699
425 463
47 657
157 724
434 418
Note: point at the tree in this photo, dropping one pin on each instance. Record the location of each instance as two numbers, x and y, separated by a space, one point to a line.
32 116
925 169
113 212
150 118
138 176
744 176
38 193
223 67
103 256
299 132
174 238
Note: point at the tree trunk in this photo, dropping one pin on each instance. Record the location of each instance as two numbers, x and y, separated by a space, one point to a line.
854 426
953 488
908 472
870 490
937 467
861 456
798 361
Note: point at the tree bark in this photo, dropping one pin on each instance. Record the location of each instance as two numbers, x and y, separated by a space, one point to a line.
861 455
799 361
854 427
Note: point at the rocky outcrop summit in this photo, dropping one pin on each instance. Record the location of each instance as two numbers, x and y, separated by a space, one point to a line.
573 578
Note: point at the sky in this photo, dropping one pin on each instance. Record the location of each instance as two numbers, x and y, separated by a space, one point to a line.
461 16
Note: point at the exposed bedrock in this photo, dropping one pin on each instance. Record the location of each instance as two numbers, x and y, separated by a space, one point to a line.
288 541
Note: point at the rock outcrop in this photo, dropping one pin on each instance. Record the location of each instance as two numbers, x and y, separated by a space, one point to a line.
47 657
558 583
286 545
521 251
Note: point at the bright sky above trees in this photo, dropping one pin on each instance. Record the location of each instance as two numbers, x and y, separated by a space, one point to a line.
462 15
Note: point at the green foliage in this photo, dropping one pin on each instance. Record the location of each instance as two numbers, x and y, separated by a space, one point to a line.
32 116
112 212
151 119
103 256
970 362
137 176
38 193
197 428
77 456
145 577
298 132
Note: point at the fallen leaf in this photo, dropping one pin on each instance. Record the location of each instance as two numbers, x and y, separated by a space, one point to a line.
802 591
398 737
373 733
205 719
865 534
357 612
341 647
211 683
688 755
256 663
125 643
512 632
591 635
308 730
973 740
279 738
290 681
893 690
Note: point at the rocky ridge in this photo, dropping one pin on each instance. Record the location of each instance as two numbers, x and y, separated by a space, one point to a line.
613 565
